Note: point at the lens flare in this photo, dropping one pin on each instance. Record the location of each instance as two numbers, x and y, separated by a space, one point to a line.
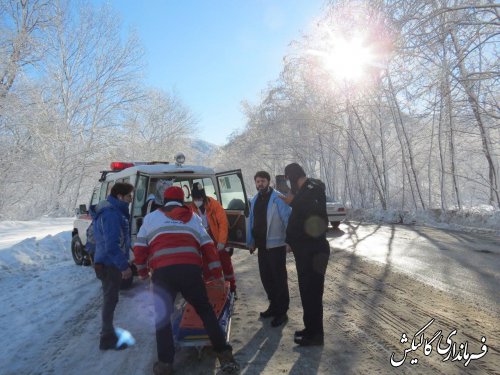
346 59
349 49
163 306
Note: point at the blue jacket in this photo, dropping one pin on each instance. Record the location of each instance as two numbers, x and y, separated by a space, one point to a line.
111 232
278 213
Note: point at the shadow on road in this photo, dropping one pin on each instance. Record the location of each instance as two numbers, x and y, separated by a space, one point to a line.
308 361
369 297
267 340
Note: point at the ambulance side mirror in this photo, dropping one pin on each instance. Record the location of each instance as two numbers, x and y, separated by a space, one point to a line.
82 209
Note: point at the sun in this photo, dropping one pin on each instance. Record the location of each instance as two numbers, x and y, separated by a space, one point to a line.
348 59
349 48
345 59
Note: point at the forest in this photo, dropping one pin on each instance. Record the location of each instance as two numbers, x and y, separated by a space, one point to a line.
393 104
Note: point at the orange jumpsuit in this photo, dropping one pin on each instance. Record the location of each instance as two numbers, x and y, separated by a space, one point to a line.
218 227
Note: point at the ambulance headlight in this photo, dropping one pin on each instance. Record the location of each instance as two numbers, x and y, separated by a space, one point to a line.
179 159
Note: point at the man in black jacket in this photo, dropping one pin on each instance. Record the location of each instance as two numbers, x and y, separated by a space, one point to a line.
306 235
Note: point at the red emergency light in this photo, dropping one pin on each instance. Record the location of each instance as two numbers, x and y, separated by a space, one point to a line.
119 165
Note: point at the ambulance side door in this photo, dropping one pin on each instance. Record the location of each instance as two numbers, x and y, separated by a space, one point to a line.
233 197
140 194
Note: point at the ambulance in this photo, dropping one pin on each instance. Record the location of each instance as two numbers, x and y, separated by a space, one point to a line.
227 187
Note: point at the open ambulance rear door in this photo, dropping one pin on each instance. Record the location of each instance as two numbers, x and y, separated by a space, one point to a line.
233 197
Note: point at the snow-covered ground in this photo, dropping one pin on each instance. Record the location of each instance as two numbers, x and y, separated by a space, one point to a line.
485 219
48 302
50 310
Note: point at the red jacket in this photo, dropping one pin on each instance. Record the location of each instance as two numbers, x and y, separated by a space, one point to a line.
173 235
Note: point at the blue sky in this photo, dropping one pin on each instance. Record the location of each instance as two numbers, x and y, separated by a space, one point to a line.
216 53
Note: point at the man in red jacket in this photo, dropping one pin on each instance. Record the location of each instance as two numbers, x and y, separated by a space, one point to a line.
170 242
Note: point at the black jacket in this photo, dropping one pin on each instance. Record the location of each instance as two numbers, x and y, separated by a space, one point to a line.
309 220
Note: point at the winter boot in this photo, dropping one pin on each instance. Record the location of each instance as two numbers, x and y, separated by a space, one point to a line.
162 368
109 340
228 365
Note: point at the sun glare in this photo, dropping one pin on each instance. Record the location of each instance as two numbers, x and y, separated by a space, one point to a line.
347 59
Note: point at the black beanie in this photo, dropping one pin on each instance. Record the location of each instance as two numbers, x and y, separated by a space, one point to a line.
294 171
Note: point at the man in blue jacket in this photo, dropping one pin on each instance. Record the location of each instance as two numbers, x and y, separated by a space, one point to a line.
266 232
112 237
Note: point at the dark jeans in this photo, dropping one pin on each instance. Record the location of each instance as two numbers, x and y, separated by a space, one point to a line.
311 260
186 279
111 278
272 269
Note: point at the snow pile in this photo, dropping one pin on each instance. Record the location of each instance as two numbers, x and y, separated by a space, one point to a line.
51 243
30 252
473 219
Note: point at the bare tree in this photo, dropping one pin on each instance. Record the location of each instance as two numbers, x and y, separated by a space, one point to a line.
413 114
157 126
92 75
23 24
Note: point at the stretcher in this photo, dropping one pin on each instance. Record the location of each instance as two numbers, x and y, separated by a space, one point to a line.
187 326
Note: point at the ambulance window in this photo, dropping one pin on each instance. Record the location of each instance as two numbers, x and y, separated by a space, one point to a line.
95 196
152 186
231 192
208 185
102 193
110 186
140 195
185 185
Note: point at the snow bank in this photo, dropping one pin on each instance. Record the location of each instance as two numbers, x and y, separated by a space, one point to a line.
473 219
37 243
30 253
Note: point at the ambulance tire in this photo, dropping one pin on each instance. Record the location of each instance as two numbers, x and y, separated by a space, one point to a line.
78 250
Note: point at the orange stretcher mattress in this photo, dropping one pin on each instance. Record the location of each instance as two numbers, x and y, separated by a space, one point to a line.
217 297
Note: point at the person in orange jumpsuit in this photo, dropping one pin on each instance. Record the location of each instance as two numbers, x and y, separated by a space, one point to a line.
214 220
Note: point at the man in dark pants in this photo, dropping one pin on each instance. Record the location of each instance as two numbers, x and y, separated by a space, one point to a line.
112 237
171 242
306 235
266 231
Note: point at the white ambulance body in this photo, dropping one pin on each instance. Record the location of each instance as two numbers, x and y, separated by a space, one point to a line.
226 187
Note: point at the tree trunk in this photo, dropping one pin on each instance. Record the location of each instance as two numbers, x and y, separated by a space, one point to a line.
485 139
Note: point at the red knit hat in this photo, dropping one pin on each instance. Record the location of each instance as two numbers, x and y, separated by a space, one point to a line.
174 193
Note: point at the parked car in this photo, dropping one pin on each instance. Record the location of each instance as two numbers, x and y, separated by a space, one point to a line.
336 212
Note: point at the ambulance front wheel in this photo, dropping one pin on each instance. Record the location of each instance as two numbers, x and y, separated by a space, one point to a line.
77 250
80 256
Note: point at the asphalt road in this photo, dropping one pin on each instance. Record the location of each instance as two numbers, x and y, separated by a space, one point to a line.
465 264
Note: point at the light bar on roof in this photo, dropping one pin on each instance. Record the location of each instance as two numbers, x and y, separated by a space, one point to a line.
120 165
